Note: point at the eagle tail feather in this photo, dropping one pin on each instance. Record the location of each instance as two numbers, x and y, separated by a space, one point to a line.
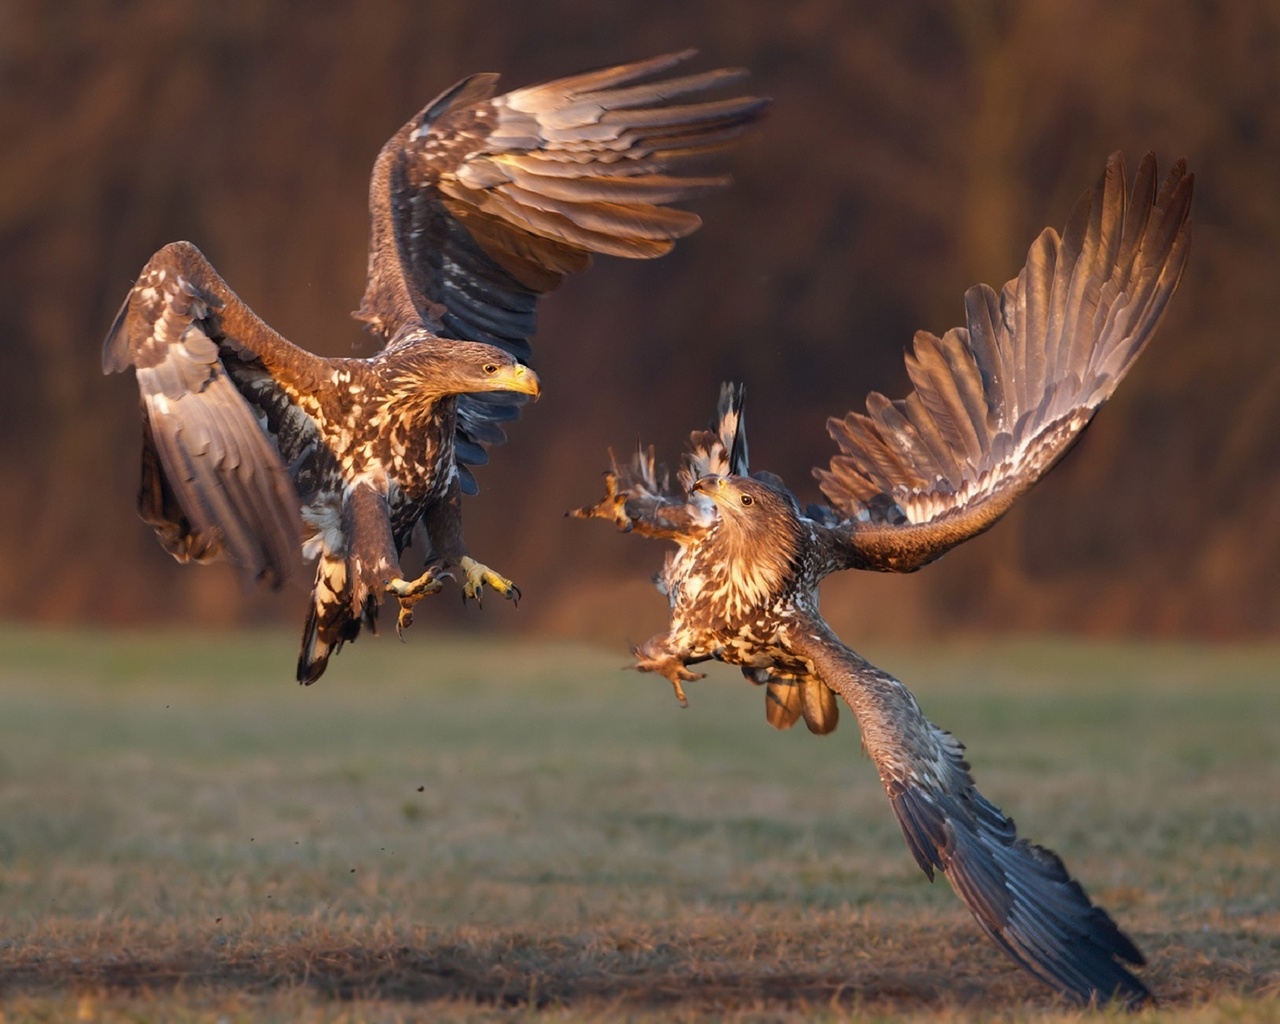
330 619
788 699
821 712
782 702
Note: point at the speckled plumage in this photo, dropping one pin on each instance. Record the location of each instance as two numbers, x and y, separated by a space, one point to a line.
254 447
995 405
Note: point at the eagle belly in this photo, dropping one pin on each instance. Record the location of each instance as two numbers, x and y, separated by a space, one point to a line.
725 609
380 477
710 619
403 453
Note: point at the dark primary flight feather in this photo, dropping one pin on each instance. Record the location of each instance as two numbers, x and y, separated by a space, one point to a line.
1020 893
995 405
253 447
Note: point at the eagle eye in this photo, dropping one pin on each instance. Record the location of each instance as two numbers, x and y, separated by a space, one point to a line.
748 500
490 368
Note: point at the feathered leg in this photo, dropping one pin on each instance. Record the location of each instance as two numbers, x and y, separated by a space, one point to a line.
635 508
330 622
443 522
350 581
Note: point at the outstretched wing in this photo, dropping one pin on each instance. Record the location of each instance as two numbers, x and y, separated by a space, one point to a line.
640 494
1020 893
480 204
998 402
213 479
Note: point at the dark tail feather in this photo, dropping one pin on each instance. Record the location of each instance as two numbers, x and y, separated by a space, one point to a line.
330 620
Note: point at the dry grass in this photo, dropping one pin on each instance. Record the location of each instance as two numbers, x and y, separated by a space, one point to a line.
460 830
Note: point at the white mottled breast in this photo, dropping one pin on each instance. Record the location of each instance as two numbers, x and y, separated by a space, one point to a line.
681 580
736 610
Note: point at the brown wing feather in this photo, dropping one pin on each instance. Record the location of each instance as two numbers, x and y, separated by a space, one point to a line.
539 178
213 481
481 204
1020 893
998 402
640 492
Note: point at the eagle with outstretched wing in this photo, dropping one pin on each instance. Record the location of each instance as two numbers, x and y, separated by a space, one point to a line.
255 448
995 405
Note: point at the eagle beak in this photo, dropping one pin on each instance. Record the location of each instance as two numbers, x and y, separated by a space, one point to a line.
519 378
712 485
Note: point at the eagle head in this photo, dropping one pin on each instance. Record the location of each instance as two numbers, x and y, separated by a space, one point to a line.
758 537
447 367
479 367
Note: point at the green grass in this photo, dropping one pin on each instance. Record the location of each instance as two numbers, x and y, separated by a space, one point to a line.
486 829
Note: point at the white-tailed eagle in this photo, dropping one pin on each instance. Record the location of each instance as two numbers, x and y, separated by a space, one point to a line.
256 448
995 405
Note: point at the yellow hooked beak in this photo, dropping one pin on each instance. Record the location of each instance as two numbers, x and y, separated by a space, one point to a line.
517 378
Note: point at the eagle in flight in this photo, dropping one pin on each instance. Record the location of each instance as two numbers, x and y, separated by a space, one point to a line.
995 405
255 448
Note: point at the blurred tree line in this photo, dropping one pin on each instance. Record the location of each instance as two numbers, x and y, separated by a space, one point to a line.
912 150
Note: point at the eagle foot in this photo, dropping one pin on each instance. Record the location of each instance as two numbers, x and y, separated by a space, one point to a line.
410 592
668 664
611 506
479 576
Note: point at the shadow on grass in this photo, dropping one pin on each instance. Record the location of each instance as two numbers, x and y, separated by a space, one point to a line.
915 968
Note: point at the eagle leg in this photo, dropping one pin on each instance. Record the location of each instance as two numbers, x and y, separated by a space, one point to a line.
655 656
611 506
633 505
480 575
410 592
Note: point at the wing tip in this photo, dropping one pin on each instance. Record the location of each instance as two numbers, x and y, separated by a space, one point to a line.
1046 922
115 346
180 257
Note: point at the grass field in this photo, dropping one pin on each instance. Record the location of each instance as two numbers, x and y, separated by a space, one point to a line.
484 829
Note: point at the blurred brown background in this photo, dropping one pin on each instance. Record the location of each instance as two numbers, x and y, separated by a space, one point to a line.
912 150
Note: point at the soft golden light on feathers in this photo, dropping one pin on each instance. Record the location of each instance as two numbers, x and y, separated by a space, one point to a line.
995 405
756 543
478 205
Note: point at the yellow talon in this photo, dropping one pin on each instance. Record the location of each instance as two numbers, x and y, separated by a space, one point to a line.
480 575
410 592
612 506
